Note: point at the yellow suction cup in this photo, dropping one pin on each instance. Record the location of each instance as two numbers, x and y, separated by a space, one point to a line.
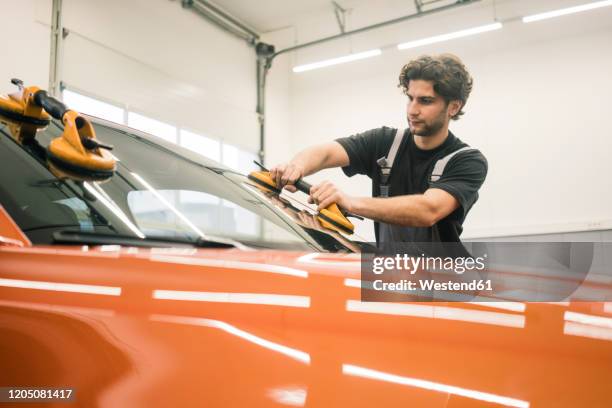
78 150
263 179
20 107
330 217
62 172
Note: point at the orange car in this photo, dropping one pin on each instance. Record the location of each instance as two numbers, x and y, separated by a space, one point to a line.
177 282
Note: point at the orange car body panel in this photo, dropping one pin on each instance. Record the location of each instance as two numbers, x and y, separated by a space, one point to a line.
10 234
131 327
160 327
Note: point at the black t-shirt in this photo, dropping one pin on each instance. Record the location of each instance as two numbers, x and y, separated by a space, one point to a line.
462 177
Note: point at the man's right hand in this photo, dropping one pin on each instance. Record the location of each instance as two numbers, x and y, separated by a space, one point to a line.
286 174
307 162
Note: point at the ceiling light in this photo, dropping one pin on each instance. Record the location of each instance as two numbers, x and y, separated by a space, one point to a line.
364 372
449 36
437 312
61 287
233 330
339 60
565 11
295 397
222 263
226 297
584 330
588 319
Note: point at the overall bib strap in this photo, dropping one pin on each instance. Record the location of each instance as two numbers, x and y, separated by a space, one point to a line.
440 165
386 163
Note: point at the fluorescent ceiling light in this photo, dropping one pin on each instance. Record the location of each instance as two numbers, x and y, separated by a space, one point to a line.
352 283
588 319
228 328
295 397
220 263
584 330
346 262
226 297
339 60
511 306
437 312
57 308
61 287
449 36
364 372
566 11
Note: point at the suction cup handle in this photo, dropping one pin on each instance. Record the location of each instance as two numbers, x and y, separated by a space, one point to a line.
91 144
303 186
17 82
53 107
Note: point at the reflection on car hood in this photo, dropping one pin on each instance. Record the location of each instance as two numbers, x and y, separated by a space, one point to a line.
208 323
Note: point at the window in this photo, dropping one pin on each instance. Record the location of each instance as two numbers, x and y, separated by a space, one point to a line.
238 159
93 107
152 126
153 190
245 222
206 146
242 161
230 155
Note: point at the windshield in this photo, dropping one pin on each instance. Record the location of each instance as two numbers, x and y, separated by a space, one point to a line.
159 190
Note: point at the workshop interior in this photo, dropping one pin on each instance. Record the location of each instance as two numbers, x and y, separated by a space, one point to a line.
149 256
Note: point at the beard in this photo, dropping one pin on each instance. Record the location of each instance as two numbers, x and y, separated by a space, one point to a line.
428 129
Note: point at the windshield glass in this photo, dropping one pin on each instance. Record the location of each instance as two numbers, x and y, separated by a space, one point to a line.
159 190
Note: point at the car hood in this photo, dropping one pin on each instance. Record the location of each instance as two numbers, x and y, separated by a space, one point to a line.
185 326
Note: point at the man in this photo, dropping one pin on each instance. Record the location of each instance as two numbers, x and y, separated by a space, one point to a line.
410 204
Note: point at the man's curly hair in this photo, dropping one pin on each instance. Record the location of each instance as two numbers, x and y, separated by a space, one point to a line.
450 78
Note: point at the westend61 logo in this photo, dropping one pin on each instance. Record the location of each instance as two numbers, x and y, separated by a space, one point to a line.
434 273
486 271
412 264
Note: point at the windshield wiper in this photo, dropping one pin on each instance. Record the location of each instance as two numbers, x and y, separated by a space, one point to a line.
94 238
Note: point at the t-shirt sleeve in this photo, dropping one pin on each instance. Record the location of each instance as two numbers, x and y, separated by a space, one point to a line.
463 177
361 149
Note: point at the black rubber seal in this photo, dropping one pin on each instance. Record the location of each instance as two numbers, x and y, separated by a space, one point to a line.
77 170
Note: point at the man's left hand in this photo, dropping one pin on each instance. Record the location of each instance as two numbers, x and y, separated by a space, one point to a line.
326 193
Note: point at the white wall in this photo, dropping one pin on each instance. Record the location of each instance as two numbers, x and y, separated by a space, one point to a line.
25 47
537 111
152 56
165 62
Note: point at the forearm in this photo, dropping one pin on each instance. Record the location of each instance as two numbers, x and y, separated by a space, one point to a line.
409 210
314 158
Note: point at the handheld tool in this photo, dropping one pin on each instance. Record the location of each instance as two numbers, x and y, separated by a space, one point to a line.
331 217
77 149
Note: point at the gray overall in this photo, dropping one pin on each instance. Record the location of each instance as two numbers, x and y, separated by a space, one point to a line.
389 233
